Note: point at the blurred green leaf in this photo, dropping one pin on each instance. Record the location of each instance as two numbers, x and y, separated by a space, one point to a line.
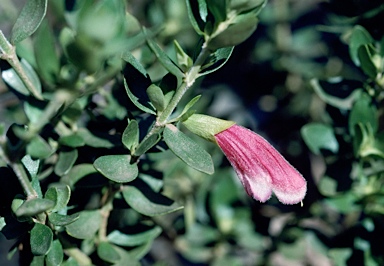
117 168
359 36
73 140
344 203
55 255
184 60
340 255
319 136
197 13
86 226
129 58
327 186
341 103
45 53
37 261
92 140
12 78
34 206
218 10
366 53
78 172
60 195
41 239
139 202
107 252
363 112
188 150
39 148
29 20
130 240
130 137
33 112
62 220
65 162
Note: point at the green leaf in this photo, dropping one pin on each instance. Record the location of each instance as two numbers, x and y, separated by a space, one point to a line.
319 136
345 103
60 195
39 148
93 141
364 112
62 220
117 168
164 59
184 115
78 172
340 256
29 20
146 144
139 202
37 261
33 112
241 28
365 54
125 240
130 137
218 9
218 59
12 78
34 206
107 252
197 14
65 162
45 53
156 96
359 37
136 102
86 226
184 60
74 140
188 150
41 239
55 255
129 58
31 165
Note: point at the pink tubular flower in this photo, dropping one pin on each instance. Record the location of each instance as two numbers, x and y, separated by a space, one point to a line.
260 167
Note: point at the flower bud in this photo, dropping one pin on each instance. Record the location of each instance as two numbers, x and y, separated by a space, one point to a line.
206 126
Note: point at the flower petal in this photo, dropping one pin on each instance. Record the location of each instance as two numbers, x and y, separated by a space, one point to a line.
260 167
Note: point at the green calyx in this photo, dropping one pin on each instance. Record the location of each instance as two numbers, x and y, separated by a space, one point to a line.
206 126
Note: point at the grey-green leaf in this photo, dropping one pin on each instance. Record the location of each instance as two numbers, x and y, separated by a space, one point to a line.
29 20
61 220
107 252
60 195
156 96
130 136
359 36
34 206
39 148
117 168
127 240
139 202
11 77
188 150
65 162
319 136
136 102
78 172
164 59
41 239
55 255
86 226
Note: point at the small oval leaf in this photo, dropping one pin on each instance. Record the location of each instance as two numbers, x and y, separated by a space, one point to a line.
107 252
41 239
61 220
29 20
117 168
86 226
188 150
319 136
139 202
65 162
127 240
34 206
